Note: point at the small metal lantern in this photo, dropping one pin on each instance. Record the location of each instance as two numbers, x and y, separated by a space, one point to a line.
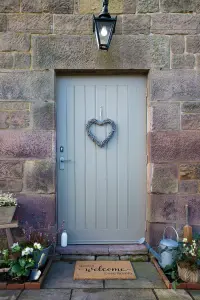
104 27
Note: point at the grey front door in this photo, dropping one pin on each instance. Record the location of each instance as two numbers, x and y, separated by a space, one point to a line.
101 191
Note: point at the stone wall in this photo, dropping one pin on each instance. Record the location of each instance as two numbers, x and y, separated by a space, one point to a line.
160 37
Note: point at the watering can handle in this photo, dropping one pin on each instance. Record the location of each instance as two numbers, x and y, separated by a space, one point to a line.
177 236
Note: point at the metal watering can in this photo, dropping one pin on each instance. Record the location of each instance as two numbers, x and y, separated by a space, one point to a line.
168 249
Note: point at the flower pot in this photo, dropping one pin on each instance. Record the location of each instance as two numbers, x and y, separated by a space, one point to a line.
6 214
37 255
187 275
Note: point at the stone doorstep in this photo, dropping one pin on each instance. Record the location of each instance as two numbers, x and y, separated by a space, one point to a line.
132 258
98 250
103 252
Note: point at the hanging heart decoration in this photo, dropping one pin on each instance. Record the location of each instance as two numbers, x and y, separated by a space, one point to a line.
91 122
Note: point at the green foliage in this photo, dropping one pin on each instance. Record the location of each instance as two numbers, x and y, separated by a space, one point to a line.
4 259
171 271
21 267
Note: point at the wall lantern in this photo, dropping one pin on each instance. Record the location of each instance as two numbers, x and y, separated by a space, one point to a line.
104 27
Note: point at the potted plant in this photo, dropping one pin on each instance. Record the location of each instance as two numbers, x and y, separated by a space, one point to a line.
40 241
16 263
8 204
21 262
188 262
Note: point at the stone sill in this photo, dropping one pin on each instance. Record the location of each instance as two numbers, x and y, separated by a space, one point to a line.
99 250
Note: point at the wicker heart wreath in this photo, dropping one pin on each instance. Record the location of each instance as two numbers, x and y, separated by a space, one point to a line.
91 122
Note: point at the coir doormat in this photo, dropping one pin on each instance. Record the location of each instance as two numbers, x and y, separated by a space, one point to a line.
100 270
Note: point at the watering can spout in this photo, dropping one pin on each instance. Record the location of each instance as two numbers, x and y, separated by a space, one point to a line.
153 252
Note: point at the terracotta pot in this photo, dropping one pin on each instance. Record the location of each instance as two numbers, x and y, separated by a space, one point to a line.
6 214
187 275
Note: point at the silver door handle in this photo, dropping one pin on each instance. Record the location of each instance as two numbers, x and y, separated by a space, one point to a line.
62 162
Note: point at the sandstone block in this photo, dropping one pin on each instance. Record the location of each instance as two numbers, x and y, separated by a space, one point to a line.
22 61
27 85
190 107
189 171
73 24
197 60
142 51
155 232
15 185
135 258
52 6
175 24
160 51
174 146
6 60
9 6
188 187
4 120
180 6
127 250
3 22
11 169
36 210
44 116
183 61
177 44
129 6
33 23
3 185
39 177
147 6
163 179
193 202
126 52
162 208
178 85
77 257
19 119
164 116
94 6
136 24
193 44
7 106
14 42
107 258
190 121
25 144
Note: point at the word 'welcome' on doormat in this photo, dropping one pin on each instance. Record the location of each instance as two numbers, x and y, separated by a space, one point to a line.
100 270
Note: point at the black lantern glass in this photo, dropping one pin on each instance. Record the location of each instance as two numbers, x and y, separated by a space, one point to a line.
104 27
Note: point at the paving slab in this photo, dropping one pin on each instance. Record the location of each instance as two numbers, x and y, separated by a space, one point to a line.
45 294
147 278
9 295
113 294
61 274
195 294
127 249
172 295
